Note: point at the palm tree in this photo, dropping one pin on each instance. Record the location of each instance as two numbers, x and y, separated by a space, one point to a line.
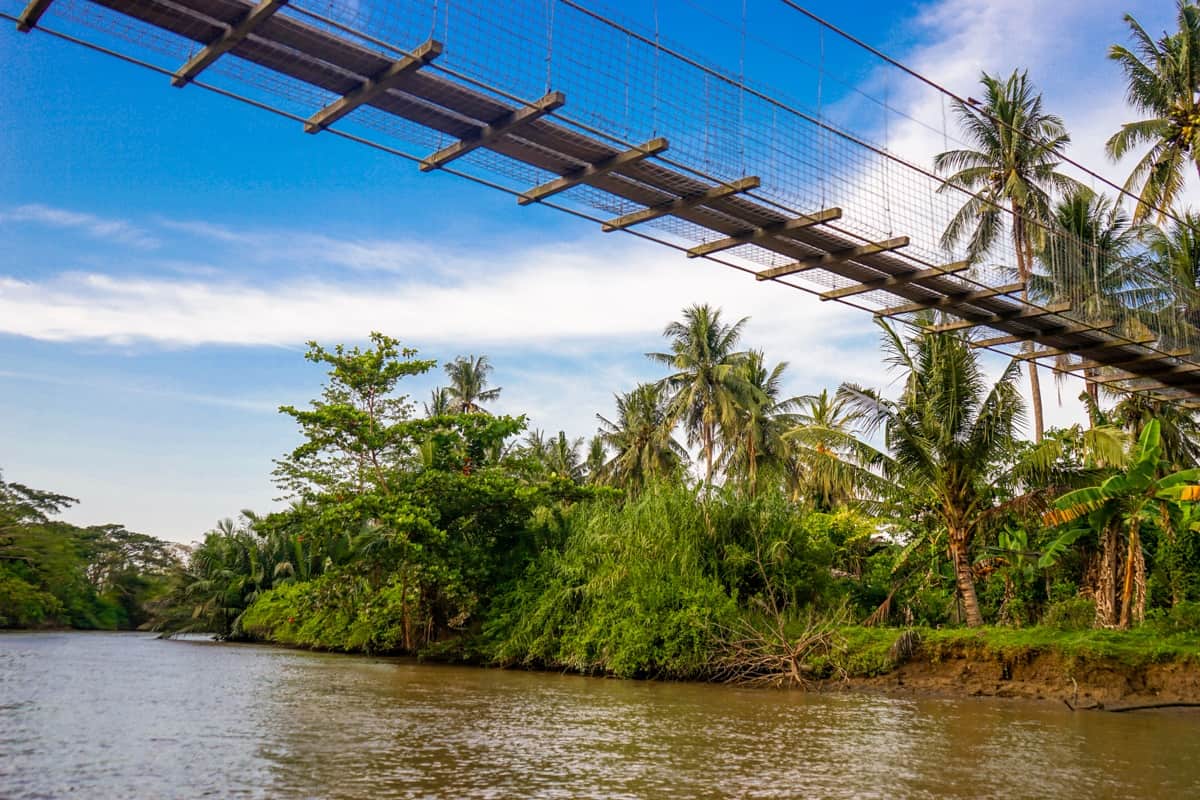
1091 262
439 402
1174 253
1164 78
468 384
708 385
596 456
949 437
641 438
756 437
1014 167
826 465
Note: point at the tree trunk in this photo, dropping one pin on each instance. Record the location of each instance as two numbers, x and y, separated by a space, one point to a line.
1106 581
964 578
1024 272
708 456
1133 592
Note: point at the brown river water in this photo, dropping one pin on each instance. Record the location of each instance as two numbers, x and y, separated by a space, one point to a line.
96 715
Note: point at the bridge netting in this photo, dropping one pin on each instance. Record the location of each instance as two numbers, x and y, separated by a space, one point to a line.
568 104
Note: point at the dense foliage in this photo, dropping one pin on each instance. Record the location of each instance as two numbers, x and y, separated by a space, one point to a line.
53 574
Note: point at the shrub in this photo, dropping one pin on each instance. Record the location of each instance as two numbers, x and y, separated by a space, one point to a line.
1073 614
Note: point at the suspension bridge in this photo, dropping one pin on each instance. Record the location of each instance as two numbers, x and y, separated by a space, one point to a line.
561 104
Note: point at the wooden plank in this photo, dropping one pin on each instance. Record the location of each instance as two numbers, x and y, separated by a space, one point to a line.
513 120
1092 348
681 203
372 88
950 300
32 13
836 257
766 232
592 171
1127 362
889 282
993 319
1182 369
1058 330
229 40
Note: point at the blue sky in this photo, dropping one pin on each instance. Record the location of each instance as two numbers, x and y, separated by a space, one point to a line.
166 253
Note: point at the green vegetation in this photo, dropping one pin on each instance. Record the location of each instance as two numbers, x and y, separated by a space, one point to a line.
798 538
53 574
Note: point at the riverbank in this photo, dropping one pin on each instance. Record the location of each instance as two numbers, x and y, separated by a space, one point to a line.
1085 669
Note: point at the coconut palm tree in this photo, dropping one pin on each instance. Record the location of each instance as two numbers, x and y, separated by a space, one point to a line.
756 438
1013 168
439 402
1092 261
468 387
949 437
641 439
1174 253
827 465
596 457
1163 81
708 384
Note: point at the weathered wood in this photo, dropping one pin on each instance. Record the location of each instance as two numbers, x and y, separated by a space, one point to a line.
374 87
592 171
489 133
1126 362
681 203
892 281
1058 330
826 260
1181 369
1078 351
993 319
950 300
32 13
766 232
229 40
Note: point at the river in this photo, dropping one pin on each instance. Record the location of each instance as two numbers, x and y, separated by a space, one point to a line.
98 715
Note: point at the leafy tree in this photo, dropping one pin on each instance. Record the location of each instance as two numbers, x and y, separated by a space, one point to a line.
1014 166
1164 83
827 464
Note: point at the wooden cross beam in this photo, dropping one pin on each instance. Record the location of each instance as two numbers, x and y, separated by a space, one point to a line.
590 172
681 203
32 13
1057 330
904 279
766 232
1091 348
1126 362
834 258
958 298
372 88
993 319
1171 370
232 37
495 129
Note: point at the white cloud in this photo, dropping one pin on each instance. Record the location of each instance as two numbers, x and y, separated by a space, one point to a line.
111 230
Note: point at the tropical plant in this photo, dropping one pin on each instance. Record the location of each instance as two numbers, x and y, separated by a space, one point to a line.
827 467
439 403
1173 254
1126 502
708 386
468 388
755 438
641 439
948 437
1163 77
1013 168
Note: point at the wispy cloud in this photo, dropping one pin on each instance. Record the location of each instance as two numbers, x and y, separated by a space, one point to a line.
111 230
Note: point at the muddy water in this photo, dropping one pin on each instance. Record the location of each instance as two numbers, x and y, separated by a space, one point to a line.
128 716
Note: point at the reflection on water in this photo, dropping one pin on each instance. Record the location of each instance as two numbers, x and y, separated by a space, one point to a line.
126 715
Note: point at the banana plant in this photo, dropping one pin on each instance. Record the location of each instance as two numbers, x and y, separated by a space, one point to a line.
1138 495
